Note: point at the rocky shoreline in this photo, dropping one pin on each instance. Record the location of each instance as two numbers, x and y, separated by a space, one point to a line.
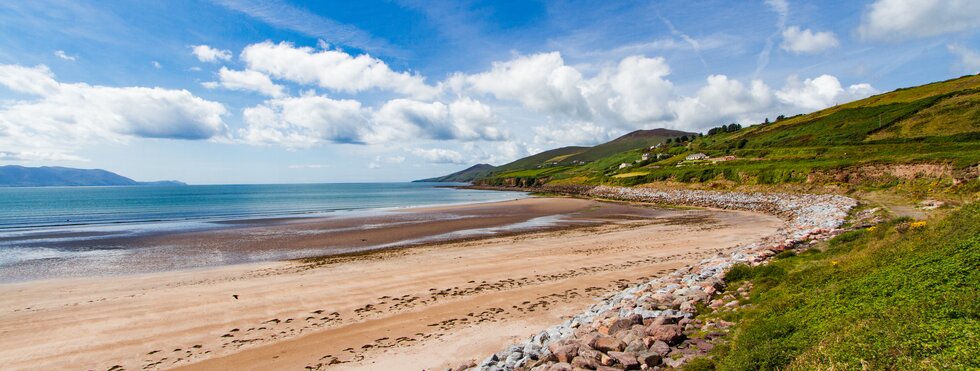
646 326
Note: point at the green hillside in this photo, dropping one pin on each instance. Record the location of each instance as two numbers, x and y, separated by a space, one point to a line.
636 140
466 175
921 137
546 157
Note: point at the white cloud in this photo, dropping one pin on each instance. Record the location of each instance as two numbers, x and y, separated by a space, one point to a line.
60 116
894 20
156 65
439 155
821 92
246 80
208 54
721 100
333 69
639 88
306 121
805 41
969 59
312 120
61 54
541 82
571 133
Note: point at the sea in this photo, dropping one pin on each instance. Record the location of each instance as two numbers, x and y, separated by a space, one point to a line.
47 223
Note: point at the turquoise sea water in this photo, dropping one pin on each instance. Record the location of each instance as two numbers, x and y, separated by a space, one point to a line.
65 231
32 208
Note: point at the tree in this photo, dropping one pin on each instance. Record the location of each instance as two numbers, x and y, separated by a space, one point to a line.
766 122
741 143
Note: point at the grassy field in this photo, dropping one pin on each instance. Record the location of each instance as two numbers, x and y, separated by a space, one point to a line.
900 295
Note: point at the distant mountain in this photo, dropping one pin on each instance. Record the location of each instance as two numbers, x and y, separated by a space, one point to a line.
52 176
634 140
467 175
568 155
551 156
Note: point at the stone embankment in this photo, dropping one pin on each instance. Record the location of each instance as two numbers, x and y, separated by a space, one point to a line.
647 326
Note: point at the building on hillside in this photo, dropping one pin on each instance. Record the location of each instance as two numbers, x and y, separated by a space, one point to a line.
696 156
624 165
646 156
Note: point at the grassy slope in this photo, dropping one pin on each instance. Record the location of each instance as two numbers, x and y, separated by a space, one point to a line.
466 175
632 141
537 159
936 123
887 298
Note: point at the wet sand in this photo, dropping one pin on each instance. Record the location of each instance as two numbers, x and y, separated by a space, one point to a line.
423 307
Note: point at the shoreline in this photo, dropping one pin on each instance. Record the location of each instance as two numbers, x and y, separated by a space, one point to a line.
556 272
297 238
649 323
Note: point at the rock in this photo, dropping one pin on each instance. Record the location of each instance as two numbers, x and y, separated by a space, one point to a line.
606 368
636 346
627 360
560 366
661 348
589 339
582 362
650 359
670 334
606 360
665 320
564 352
619 325
608 343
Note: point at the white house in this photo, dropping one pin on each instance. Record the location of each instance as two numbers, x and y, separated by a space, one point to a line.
624 165
696 156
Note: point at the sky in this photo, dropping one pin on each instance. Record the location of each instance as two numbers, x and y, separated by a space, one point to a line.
243 91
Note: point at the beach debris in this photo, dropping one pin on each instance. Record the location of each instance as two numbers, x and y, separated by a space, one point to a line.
235 296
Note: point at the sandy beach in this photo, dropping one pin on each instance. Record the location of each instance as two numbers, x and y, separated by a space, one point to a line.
433 304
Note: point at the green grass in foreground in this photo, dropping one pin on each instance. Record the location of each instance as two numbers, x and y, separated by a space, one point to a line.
893 297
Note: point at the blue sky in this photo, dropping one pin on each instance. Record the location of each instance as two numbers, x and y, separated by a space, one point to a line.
236 91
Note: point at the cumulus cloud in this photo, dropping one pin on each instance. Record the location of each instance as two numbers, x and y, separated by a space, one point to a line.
332 69
61 54
821 92
894 20
61 115
311 120
208 54
805 41
571 133
246 80
969 59
439 155
541 82
306 121
464 119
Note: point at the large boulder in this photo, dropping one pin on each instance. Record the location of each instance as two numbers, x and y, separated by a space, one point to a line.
609 343
670 334
564 352
650 359
626 360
